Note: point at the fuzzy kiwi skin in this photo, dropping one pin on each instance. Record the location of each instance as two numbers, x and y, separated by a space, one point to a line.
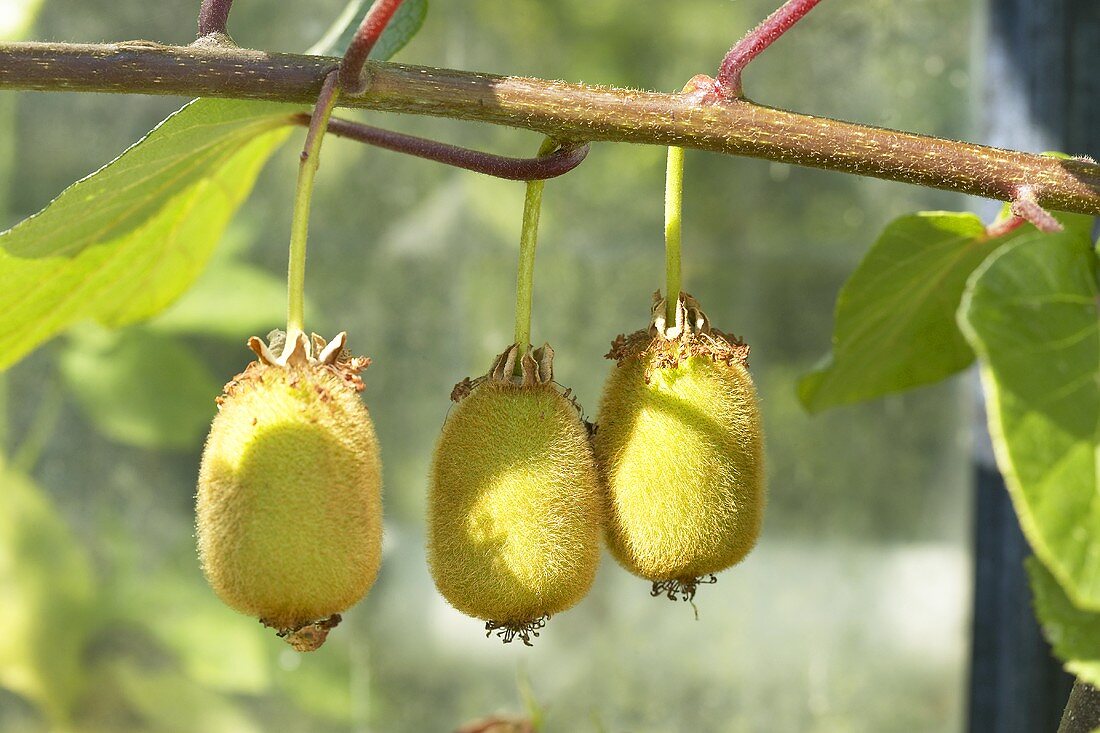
289 509
681 458
514 509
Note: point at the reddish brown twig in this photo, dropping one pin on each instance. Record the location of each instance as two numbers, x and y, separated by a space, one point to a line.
214 16
727 85
561 161
1004 226
498 724
1027 207
370 30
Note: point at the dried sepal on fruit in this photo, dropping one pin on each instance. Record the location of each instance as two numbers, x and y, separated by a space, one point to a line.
680 451
289 512
514 509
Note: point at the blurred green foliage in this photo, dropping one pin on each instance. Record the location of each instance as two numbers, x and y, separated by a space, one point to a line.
849 616
46 581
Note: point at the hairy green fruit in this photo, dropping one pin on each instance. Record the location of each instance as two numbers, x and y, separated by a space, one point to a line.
514 510
680 452
289 504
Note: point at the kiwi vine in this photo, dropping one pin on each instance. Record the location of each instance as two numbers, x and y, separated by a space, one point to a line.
524 492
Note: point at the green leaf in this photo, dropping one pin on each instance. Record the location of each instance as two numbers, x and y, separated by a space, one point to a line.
46 599
1030 312
139 388
1074 633
123 243
1079 225
895 317
404 24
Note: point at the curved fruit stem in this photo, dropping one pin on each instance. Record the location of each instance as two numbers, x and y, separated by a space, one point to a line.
557 163
303 195
674 204
528 239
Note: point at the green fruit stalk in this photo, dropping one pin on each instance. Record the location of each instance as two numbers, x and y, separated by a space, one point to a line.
514 509
680 452
289 511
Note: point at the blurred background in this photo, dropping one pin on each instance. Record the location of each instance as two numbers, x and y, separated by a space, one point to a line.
851 615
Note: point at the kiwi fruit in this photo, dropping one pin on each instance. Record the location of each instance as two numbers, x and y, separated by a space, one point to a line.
680 452
289 511
514 507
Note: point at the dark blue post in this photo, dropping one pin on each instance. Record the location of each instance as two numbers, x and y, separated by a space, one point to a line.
1016 686
1042 93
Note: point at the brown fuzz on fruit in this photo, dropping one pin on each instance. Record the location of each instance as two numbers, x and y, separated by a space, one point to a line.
680 451
289 514
514 509
665 346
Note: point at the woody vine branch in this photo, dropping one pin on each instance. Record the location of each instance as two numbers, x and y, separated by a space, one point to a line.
564 111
